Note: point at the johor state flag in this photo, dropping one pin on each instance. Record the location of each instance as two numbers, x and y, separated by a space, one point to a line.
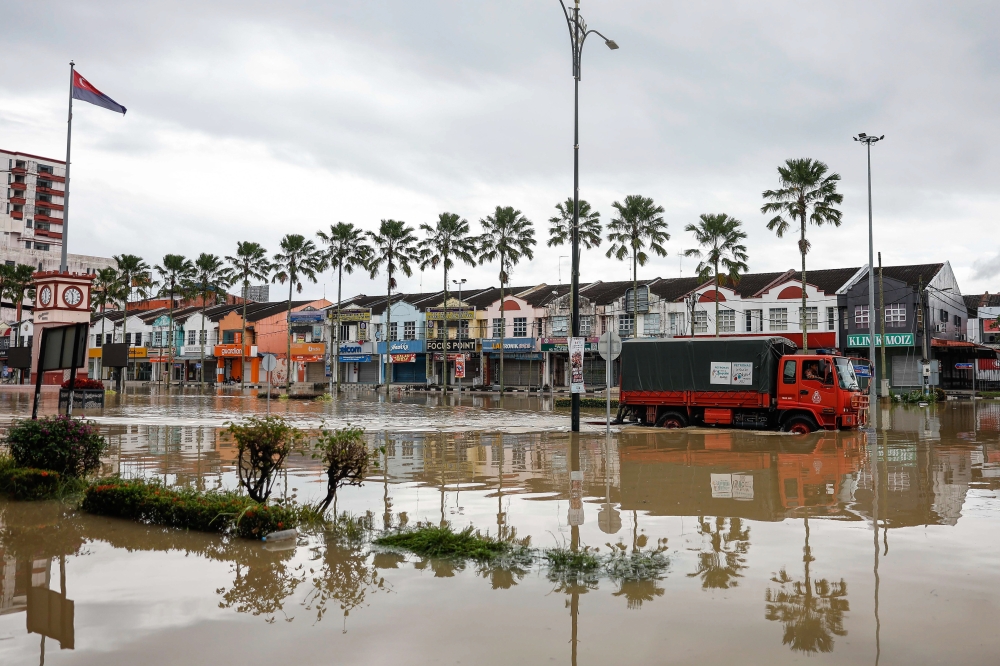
88 93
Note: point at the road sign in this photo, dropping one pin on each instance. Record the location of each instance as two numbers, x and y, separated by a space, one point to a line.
269 362
610 344
863 370
964 366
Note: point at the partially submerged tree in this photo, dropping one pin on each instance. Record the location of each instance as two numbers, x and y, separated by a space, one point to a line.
346 458
263 445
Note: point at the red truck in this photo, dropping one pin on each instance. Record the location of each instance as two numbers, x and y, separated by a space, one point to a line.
750 382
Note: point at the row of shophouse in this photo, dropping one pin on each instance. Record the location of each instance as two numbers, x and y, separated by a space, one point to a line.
925 317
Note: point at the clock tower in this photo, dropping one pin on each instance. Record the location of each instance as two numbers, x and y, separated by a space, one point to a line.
60 299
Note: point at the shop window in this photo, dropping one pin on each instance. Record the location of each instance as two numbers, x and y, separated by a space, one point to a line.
229 337
957 321
861 316
831 319
393 331
97 340
158 339
777 319
753 320
463 328
192 336
625 325
895 315
944 316
109 338
811 318
520 327
651 324
700 320
676 324
587 325
560 327
727 321
498 331
202 337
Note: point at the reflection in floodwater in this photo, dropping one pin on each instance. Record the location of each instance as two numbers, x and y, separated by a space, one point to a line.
703 492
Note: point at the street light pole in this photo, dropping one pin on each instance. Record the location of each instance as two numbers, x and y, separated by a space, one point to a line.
872 394
578 33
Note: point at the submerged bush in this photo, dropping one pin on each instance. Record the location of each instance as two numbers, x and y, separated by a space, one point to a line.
153 503
433 541
346 458
61 444
84 383
264 443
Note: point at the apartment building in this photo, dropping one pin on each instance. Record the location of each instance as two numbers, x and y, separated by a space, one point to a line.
31 210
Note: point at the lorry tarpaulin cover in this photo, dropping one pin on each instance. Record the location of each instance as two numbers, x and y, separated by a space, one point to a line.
686 365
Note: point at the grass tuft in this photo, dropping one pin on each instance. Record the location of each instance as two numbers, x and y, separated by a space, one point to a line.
429 540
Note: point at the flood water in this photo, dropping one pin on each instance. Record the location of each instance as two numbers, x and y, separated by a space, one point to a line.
828 548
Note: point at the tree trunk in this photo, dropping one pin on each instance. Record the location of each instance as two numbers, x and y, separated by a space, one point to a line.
201 370
124 371
503 329
635 293
170 342
803 319
716 299
243 337
388 321
444 327
340 281
288 375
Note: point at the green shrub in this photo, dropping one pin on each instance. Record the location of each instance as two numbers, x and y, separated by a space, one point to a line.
433 541
263 443
345 456
57 443
153 503
25 483
587 403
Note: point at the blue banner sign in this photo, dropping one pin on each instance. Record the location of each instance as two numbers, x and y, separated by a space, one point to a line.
964 366
307 317
403 347
355 358
863 370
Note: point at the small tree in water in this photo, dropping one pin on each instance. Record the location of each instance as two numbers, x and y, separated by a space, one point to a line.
264 443
346 457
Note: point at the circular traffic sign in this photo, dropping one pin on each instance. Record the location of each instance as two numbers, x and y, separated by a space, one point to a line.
269 362
610 344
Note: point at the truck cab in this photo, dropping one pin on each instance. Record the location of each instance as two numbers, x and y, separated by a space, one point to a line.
819 391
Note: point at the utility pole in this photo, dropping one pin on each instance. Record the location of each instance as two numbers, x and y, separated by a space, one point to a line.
884 389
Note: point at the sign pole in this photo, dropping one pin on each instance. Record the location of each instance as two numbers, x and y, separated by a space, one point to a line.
268 392
38 377
72 372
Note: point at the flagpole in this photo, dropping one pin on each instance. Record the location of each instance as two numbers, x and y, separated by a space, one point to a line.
63 263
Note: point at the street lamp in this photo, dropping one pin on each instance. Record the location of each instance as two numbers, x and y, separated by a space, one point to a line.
460 320
578 33
868 141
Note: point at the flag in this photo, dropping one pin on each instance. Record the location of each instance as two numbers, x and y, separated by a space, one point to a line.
82 89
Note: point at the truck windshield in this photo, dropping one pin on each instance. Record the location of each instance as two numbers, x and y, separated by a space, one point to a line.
845 373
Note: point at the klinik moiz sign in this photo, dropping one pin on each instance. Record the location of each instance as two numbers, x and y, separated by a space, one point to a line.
891 340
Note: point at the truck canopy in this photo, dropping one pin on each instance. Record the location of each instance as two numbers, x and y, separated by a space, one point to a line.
707 364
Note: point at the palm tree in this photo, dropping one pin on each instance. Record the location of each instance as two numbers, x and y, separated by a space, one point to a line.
812 612
346 250
248 264
177 272
134 274
639 222
508 236
720 564
20 286
721 237
806 194
210 277
448 237
106 291
395 246
297 259
561 225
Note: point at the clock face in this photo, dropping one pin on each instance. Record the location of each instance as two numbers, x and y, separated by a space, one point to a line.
72 296
45 295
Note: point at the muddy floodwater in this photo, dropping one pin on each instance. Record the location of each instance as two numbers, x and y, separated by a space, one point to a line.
835 548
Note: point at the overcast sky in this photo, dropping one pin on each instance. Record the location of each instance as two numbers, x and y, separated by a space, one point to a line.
248 120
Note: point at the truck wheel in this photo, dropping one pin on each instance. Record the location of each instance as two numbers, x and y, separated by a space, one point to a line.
798 426
671 420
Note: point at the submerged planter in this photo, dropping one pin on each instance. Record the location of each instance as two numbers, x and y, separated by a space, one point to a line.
82 398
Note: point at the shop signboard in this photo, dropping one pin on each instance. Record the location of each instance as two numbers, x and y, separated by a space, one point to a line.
891 340
403 347
576 364
301 350
454 346
460 367
355 358
234 351
350 348
307 317
350 315
561 345
402 358
509 344
454 314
